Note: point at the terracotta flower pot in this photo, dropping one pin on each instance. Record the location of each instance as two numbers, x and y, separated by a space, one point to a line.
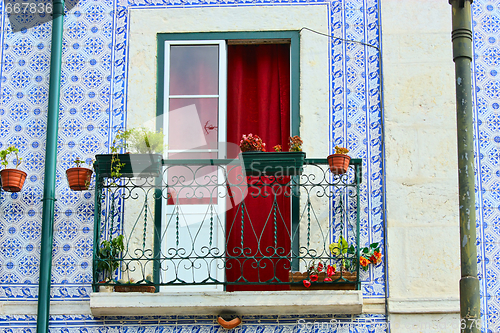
12 179
339 163
79 178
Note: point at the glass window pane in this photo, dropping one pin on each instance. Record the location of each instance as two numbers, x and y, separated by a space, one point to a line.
194 70
192 184
192 123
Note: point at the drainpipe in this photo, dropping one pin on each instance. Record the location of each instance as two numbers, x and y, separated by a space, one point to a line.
49 185
462 56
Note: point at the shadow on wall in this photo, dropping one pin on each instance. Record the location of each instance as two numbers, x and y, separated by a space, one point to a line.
28 14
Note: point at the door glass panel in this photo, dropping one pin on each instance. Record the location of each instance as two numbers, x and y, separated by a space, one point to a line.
193 123
194 217
192 184
194 70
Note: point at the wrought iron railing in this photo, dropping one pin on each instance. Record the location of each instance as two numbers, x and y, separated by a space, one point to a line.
202 224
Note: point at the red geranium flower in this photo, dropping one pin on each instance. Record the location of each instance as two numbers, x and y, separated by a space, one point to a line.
313 277
330 270
320 267
306 283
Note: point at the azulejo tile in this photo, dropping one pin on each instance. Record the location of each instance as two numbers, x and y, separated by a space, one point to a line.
94 77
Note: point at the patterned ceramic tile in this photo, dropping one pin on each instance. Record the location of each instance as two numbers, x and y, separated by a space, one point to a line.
93 108
486 20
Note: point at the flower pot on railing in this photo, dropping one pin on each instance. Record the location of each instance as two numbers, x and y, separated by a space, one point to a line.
79 178
339 162
137 288
12 179
258 163
337 281
134 165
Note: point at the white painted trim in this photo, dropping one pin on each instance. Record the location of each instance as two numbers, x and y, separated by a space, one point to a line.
56 308
370 305
214 303
374 305
424 305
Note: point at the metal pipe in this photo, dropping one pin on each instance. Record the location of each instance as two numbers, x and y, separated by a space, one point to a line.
49 185
462 56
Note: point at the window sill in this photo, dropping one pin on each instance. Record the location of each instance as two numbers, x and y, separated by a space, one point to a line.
214 303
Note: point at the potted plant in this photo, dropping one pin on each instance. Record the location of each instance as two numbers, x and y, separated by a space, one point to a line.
12 179
145 286
143 159
323 277
339 161
258 162
78 177
326 276
108 256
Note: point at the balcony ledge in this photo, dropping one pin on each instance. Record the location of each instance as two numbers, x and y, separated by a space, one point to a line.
217 302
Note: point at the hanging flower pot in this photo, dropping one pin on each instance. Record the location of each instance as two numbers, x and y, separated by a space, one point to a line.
79 178
339 162
12 179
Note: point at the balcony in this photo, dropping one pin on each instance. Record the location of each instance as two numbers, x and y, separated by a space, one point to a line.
202 226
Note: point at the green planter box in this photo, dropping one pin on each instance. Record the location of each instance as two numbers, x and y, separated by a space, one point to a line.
136 165
257 163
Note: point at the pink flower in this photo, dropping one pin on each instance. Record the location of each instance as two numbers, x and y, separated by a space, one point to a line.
327 279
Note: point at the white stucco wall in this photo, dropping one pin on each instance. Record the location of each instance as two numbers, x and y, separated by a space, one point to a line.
314 57
421 162
145 24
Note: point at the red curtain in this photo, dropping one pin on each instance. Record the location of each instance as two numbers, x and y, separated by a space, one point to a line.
259 102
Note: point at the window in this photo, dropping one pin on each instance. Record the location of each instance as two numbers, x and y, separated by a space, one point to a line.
143 75
213 92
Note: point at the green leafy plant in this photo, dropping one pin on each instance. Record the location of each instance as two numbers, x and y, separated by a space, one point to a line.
144 141
78 162
108 254
343 250
118 143
4 154
136 140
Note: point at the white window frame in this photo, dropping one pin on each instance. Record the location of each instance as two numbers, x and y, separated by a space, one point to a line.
197 211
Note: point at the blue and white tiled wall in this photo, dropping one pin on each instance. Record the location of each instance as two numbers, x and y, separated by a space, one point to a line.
93 107
93 98
486 29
